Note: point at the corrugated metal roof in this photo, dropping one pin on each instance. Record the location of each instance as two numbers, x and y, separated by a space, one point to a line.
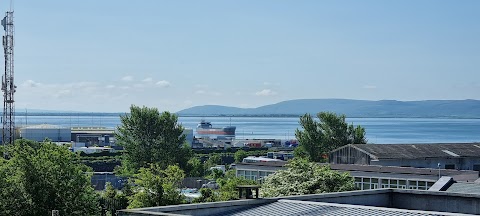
412 151
295 207
464 188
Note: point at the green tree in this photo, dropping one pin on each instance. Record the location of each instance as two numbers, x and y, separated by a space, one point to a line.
195 168
303 177
157 187
41 177
240 155
110 191
207 195
329 133
150 137
215 174
228 187
213 160
113 197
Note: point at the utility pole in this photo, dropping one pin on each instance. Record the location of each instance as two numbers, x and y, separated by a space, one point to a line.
8 86
438 165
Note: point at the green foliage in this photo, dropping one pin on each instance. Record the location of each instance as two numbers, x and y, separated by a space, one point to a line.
329 133
230 173
157 187
195 168
213 160
40 177
110 191
240 155
112 196
228 187
215 174
303 177
150 137
207 195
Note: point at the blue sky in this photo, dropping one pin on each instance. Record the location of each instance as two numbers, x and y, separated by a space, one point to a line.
105 55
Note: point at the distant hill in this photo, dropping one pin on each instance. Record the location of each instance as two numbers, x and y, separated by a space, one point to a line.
352 108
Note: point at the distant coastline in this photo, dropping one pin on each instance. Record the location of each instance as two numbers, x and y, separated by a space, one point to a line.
105 114
441 109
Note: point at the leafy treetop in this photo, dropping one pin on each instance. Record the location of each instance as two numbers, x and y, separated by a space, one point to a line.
329 133
303 177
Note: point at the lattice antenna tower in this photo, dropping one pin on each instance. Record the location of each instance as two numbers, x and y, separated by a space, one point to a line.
8 86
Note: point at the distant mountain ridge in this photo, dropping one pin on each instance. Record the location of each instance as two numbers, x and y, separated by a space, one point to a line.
352 108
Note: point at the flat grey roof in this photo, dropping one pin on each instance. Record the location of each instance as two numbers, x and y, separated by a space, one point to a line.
392 202
464 188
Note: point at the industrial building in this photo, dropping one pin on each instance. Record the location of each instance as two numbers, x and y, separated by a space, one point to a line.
353 203
101 136
459 156
368 177
41 132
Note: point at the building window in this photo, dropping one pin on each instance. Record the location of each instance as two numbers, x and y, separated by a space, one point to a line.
422 185
413 185
430 184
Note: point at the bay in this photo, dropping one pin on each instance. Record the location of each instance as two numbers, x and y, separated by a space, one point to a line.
379 130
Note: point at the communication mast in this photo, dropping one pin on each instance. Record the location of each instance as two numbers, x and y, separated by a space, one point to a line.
8 86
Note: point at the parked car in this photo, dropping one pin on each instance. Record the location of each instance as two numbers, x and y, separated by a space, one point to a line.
211 185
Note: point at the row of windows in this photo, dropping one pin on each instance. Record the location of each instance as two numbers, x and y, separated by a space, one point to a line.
361 183
253 174
374 183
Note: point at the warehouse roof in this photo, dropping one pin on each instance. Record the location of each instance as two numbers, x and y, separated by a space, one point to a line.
297 207
45 126
413 151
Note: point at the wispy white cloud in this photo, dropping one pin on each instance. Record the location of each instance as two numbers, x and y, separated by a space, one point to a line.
200 92
148 79
163 83
127 78
62 93
211 93
266 92
110 86
30 83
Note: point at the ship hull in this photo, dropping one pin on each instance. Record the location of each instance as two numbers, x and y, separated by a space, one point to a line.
228 131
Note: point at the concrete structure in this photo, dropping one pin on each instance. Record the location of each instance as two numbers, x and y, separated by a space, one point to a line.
370 202
460 156
101 136
90 150
40 132
367 177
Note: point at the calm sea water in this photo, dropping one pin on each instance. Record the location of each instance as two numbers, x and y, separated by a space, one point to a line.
379 130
